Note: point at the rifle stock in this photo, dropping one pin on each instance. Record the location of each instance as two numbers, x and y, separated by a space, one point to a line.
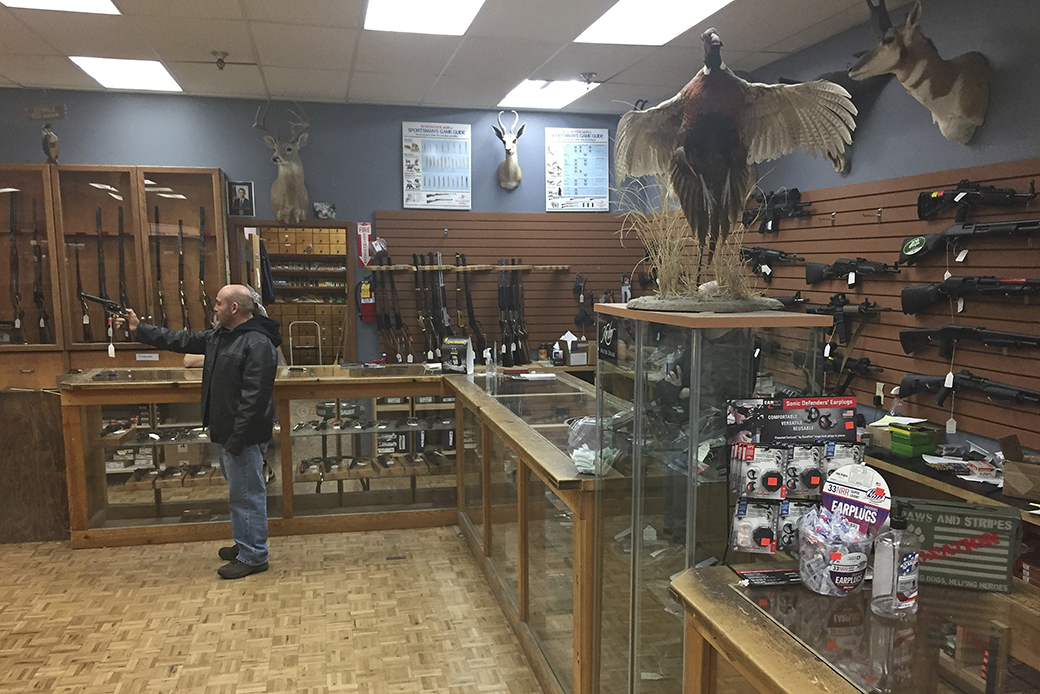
918 298
948 336
164 321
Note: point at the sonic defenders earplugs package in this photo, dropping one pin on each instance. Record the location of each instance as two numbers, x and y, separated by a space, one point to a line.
838 455
804 470
791 512
755 526
760 471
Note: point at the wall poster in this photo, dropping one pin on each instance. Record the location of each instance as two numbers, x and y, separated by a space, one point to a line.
577 164
436 166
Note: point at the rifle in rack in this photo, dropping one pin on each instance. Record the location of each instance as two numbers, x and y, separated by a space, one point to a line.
969 194
785 203
163 320
508 340
124 299
763 259
180 274
17 336
384 326
404 338
477 330
948 336
523 354
420 308
88 334
207 305
102 279
848 268
841 309
917 383
459 320
431 311
442 293
38 298
917 247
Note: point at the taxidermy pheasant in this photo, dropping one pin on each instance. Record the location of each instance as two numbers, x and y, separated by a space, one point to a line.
707 137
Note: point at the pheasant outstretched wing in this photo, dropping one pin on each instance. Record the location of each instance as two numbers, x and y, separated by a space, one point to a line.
646 140
817 117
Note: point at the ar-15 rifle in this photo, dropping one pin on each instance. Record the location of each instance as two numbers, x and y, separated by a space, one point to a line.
846 267
853 368
917 383
88 334
163 320
918 298
917 247
207 305
403 336
517 319
479 338
17 337
762 259
969 194
180 274
508 340
420 305
123 298
782 204
949 336
38 297
842 309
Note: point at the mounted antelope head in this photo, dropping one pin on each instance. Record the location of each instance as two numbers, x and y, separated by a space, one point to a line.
289 200
509 173
956 91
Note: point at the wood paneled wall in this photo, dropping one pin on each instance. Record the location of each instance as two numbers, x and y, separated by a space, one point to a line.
845 224
588 242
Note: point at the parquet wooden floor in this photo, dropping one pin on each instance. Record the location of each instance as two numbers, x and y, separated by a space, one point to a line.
396 611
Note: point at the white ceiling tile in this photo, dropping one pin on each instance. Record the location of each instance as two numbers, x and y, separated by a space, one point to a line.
344 14
749 62
54 72
537 20
473 93
618 98
102 36
666 67
605 61
283 45
18 39
298 83
388 52
508 60
4 82
829 26
233 80
388 88
180 38
199 9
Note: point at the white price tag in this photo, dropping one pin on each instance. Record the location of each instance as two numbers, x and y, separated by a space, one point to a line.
959 196
961 256
766 270
947 275
43 323
960 304
86 319
852 279
17 323
951 426
111 351
758 351
827 350
948 383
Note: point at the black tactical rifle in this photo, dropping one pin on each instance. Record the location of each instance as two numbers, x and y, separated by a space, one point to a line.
842 310
460 321
763 259
442 292
792 301
851 268
38 297
781 204
948 336
918 298
102 282
854 368
508 340
917 247
477 330
918 383
180 274
163 320
207 305
969 194
124 299
403 336
88 334
517 319
17 336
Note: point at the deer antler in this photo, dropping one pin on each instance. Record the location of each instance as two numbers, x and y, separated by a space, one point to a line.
260 121
880 14
500 125
302 122
516 119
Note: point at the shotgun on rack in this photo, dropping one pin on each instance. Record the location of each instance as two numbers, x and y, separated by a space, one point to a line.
420 304
207 305
442 293
523 354
948 336
917 247
124 299
918 298
430 311
850 268
102 273
508 339
384 325
403 336
88 334
459 321
38 297
163 320
479 338
17 335
917 383
180 275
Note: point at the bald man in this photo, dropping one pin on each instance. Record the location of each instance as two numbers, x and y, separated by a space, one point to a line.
237 383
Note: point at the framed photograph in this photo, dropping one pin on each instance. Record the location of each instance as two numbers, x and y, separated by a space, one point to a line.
240 199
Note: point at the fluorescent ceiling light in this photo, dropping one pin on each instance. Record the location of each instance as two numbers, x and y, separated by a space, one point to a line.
9 190
158 189
117 73
148 182
174 196
444 17
547 95
648 22
103 186
117 196
85 6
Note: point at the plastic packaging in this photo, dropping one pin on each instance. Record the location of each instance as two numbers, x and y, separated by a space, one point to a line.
896 552
832 553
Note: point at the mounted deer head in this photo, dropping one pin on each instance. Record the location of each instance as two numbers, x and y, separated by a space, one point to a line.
509 173
956 91
289 200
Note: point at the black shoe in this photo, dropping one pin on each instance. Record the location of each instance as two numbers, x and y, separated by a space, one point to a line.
236 569
228 553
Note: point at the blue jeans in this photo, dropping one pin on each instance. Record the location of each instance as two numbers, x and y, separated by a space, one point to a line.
247 501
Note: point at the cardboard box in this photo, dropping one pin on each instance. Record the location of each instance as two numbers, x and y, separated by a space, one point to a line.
578 355
182 454
1021 471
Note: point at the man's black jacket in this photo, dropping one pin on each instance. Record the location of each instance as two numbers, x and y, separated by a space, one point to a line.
237 378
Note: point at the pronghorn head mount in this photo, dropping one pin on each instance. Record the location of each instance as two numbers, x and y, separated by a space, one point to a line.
509 173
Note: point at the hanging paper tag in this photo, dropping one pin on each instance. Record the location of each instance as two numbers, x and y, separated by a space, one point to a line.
827 350
852 279
959 196
86 318
758 351
769 225
43 323
17 323
948 383
961 256
951 426
960 304
581 298
766 270
111 350
947 275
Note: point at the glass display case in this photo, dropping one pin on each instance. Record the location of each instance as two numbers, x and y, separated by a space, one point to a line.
662 496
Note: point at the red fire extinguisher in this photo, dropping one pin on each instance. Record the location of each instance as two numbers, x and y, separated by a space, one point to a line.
366 301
